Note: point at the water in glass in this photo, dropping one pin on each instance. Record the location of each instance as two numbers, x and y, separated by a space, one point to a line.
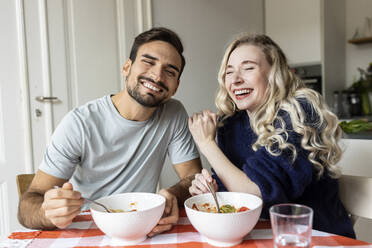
291 241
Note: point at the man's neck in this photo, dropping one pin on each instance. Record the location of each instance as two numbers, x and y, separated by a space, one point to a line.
129 108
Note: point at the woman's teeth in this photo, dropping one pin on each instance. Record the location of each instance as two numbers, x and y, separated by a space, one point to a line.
150 86
241 92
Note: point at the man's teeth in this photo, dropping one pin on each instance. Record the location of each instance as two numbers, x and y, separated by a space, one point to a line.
244 91
147 85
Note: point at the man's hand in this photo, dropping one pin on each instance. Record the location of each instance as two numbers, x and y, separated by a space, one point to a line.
170 215
62 205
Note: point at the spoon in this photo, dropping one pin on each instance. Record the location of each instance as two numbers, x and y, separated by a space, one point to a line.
214 197
91 201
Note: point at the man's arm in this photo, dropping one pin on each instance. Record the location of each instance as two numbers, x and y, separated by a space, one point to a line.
178 193
186 171
43 207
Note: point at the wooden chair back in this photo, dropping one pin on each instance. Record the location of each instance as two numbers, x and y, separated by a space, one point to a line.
23 182
356 195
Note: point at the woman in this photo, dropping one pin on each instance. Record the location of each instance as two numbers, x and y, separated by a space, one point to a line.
276 138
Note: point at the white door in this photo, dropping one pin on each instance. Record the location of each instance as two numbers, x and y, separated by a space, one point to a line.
14 142
70 52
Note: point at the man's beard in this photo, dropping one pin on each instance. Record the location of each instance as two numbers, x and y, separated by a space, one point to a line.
148 100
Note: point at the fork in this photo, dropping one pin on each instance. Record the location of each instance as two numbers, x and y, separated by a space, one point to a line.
99 204
91 201
214 196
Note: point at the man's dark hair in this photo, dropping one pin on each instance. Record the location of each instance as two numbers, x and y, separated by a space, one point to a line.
154 34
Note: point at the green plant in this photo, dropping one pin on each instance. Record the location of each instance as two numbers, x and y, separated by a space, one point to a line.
355 126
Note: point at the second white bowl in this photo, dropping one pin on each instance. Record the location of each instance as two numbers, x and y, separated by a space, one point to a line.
224 229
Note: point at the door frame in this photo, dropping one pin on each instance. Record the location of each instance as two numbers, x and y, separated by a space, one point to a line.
22 53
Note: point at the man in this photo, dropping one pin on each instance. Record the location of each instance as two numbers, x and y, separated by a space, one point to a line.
119 143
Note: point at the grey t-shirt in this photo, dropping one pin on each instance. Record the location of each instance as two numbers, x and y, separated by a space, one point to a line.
103 153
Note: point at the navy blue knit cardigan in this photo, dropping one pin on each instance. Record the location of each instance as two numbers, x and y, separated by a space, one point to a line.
280 180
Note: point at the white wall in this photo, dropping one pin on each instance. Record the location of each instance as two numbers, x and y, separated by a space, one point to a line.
206 28
356 55
302 46
298 35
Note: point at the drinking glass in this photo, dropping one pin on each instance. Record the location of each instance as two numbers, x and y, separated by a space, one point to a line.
291 225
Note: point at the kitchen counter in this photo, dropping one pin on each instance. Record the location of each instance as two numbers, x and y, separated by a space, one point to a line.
359 135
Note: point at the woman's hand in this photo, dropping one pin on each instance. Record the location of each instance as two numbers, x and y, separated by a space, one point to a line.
199 184
203 127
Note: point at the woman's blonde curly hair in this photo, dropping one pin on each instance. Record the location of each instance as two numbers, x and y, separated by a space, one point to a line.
283 93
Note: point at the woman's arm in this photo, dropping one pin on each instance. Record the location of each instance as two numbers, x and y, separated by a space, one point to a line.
231 176
203 129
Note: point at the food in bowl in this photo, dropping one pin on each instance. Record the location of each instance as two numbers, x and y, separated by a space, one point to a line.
226 208
116 210
226 229
121 210
132 205
128 227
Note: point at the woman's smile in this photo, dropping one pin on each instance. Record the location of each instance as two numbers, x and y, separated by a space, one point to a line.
240 94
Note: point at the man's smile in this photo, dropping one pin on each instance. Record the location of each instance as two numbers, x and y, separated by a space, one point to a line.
152 85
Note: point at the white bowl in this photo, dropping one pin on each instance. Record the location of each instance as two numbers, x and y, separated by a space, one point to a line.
224 229
128 228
